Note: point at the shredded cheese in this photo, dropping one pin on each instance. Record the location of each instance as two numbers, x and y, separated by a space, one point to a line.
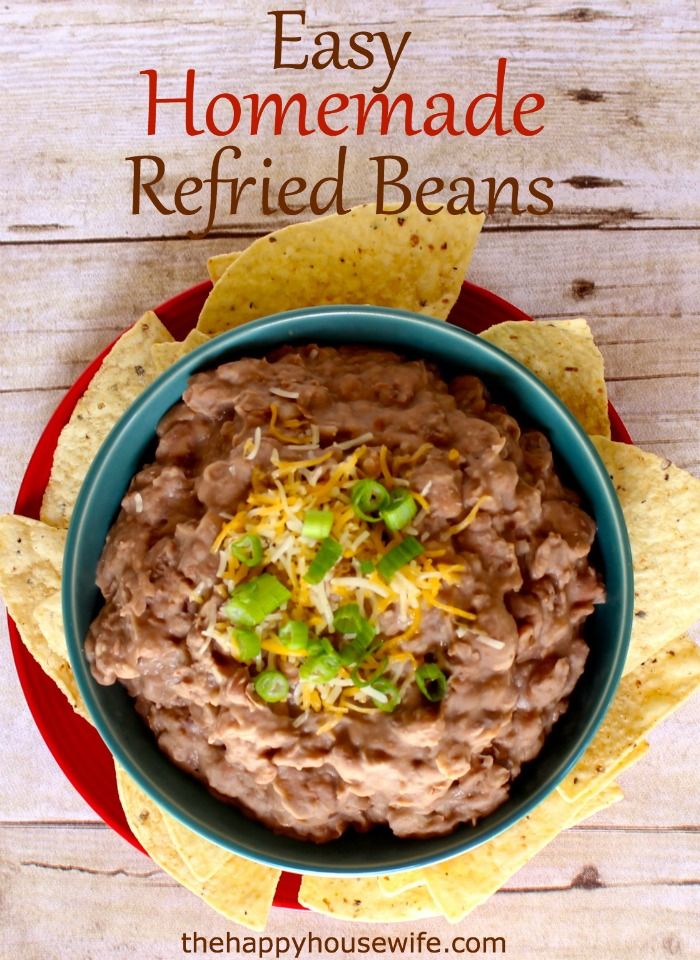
286 394
463 524
276 505
252 448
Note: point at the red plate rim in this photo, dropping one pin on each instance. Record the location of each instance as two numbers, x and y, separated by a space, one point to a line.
476 309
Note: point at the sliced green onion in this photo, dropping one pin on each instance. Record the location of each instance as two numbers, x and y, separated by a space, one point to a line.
327 556
356 651
348 619
366 566
247 644
401 509
390 691
431 681
317 524
271 686
320 669
318 646
254 600
360 682
353 653
398 556
368 497
294 635
248 549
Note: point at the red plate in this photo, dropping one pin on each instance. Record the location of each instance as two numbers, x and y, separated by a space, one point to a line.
75 745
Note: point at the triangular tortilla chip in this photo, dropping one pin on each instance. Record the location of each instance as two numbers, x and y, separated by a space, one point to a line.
30 579
406 260
166 354
661 505
125 372
565 359
239 889
644 698
219 264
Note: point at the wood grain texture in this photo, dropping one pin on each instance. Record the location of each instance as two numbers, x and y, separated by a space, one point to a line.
619 82
614 905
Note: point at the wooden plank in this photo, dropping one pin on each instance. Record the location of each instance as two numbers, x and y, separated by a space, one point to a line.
619 84
584 884
640 290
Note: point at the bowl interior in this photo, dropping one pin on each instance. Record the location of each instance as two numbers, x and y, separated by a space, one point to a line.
131 444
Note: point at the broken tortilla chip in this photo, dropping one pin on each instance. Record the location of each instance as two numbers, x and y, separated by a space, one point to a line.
219 264
362 898
605 773
461 884
395 883
408 260
167 353
238 889
565 359
201 857
30 579
125 372
661 505
644 698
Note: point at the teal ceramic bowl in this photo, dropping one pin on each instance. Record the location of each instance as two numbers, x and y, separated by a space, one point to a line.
132 443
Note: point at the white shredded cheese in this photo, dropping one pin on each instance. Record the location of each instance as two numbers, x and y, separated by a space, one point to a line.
287 394
376 695
359 540
426 489
255 447
138 503
302 718
490 642
284 547
356 442
361 583
321 602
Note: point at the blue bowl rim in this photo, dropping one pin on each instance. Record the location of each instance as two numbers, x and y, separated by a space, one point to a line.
231 345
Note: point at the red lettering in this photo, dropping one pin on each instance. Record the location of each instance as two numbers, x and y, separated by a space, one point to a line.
497 111
280 112
387 110
154 100
519 111
235 114
324 109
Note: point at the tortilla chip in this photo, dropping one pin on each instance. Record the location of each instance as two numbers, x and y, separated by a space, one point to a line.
393 883
644 698
125 372
49 618
602 773
219 264
239 889
30 580
410 260
661 505
564 359
461 884
202 858
409 879
362 898
577 325
166 354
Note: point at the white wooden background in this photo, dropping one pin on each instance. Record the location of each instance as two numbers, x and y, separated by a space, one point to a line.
622 247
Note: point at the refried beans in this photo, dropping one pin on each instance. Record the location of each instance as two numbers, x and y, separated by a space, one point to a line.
304 674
